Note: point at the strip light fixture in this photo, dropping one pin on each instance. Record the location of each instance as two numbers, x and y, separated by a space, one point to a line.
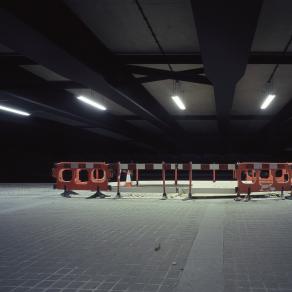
267 101
177 91
14 111
178 102
91 102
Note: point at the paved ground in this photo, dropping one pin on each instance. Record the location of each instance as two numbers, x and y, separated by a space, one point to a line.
48 243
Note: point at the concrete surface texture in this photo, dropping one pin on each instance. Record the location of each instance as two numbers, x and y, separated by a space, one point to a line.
49 243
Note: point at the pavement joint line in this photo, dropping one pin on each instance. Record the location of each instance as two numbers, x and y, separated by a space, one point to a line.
205 260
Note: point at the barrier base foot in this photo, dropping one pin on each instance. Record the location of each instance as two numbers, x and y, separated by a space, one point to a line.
118 196
187 198
283 196
238 197
98 194
164 196
67 194
247 198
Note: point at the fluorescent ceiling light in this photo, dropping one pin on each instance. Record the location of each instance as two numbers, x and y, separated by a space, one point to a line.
267 101
12 110
178 102
91 102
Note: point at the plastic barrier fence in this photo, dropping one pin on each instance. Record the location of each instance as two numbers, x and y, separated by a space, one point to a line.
94 176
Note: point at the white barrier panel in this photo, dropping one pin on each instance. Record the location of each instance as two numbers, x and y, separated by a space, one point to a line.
214 166
140 166
157 166
196 166
195 183
231 166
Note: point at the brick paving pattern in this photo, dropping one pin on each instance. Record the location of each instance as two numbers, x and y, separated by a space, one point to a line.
52 244
94 245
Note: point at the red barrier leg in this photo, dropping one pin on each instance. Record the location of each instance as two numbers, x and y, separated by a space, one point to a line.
137 176
282 193
175 178
164 195
248 195
214 175
190 179
290 195
238 197
118 196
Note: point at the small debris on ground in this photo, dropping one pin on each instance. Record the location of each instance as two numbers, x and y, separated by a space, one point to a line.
157 247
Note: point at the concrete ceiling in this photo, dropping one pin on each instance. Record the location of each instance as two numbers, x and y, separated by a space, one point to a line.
112 107
274 26
176 30
109 28
251 90
199 99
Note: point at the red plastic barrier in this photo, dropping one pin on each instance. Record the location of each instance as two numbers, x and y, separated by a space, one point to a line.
263 177
81 176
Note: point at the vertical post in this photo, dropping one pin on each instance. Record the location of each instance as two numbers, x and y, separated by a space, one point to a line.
237 198
214 175
66 193
248 195
164 195
282 193
175 178
190 179
118 180
137 175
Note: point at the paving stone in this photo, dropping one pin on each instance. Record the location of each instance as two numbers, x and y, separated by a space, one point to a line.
52 244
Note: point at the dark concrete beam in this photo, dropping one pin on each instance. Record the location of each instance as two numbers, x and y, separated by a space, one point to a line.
49 97
211 117
195 58
48 41
192 75
225 35
179 58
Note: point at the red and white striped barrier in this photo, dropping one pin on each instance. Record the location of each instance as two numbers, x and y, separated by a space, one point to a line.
173 166
79 165
264 166
279 175
163 167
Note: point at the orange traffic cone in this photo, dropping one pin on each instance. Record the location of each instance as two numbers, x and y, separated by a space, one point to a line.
128 182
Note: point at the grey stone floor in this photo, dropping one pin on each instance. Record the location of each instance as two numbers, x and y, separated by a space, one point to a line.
48 243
